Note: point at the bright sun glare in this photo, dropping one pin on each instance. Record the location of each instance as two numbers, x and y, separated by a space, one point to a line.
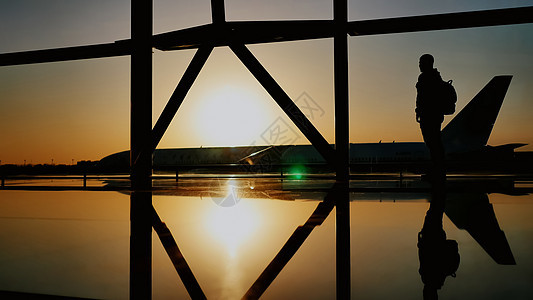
232 226
231 115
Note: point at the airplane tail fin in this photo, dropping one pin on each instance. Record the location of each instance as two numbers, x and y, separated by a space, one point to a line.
470 129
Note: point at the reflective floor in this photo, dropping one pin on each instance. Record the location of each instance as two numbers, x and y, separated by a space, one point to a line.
76 243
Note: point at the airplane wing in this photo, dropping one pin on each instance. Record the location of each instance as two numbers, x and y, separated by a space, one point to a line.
474 213
470 129
271 154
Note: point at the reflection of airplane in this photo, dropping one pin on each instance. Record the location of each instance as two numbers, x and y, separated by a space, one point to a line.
467 203
465 139
474 213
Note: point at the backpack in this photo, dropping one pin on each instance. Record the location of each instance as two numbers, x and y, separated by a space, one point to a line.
438 260
448 97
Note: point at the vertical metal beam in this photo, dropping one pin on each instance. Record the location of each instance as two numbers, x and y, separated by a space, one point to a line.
141 161
342 114
218 13
141 93
284 102
342 148
342 247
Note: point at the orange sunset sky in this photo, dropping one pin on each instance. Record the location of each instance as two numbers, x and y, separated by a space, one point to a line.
79 110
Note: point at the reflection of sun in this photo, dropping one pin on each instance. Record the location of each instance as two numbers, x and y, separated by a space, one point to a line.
231 115
232 226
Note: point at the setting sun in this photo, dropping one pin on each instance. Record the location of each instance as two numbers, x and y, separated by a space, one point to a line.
231 115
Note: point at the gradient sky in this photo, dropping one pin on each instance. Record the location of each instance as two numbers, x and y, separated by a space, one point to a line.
80 110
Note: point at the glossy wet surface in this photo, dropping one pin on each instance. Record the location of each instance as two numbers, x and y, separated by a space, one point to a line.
76 243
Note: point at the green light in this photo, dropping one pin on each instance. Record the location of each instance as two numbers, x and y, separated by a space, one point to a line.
297 172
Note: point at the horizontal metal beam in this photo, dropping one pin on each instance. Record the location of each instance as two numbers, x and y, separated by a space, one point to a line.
472 19
257 32
245 32
65 54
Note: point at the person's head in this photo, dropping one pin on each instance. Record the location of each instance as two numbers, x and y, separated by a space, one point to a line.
426 62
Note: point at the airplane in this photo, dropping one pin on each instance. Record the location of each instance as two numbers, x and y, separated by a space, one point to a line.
465 140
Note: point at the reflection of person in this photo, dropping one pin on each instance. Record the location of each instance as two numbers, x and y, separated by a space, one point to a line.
429 113
438 256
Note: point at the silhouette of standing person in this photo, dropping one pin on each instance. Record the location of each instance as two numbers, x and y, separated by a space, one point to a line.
429 114
438 256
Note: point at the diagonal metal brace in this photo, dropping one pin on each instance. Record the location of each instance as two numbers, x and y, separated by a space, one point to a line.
183 87
179 262
284 101
292 245
175 101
